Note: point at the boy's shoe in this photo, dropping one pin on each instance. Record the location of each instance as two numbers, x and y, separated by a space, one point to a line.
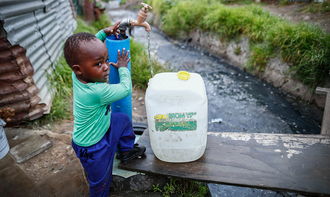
135 152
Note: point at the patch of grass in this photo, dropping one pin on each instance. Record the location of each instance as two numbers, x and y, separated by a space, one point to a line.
182 188
160 7
260 54
82 26
61 82
239 2
123 2
317 7
237 50
102 23
285 2
306 48
181 19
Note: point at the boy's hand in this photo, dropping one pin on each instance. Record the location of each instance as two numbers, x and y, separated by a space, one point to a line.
112 29
123 59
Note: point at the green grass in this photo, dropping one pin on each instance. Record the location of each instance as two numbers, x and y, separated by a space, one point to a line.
182 188
61 82
102 22
123 2
260 54
305 47
318 7
83 26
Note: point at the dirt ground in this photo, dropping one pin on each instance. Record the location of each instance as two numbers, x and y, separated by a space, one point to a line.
298 13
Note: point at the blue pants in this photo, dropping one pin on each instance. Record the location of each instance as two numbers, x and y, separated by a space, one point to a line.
97 159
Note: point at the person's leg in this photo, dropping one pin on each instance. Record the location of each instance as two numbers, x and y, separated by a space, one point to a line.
122 130
97 161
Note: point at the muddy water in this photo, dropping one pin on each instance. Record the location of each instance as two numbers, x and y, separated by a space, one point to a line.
238 101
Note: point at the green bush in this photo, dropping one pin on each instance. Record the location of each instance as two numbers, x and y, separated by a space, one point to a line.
318 7
102 23
159 7
181 18
82 26
260 54
306 48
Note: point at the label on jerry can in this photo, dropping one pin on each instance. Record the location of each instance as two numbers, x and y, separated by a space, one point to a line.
176 121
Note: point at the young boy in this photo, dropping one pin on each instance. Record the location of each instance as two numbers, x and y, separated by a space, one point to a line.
97 132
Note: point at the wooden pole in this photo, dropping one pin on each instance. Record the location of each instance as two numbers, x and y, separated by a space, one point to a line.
325 130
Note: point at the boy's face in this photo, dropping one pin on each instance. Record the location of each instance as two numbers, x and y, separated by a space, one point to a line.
93 65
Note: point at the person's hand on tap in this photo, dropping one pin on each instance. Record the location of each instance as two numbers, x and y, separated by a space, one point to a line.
112 30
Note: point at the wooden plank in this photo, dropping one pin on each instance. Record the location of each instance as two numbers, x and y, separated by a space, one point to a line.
325 130
320 90
287 162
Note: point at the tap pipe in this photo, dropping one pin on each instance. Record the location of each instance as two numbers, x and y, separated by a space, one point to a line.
141 19
143 13
144 24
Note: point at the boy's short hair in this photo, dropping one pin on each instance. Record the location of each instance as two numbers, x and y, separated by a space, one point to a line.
72 46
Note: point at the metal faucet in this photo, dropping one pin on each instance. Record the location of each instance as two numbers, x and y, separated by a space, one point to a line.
141 20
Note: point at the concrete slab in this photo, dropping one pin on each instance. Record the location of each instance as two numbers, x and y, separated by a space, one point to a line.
31 147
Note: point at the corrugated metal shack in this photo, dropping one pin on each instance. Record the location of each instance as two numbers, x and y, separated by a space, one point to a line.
32 34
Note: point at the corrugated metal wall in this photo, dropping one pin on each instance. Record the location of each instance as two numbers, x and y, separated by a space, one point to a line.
41 27
18 95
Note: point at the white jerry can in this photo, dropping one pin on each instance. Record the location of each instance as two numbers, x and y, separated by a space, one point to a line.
176 105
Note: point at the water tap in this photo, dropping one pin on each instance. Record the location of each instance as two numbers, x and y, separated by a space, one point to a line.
141 21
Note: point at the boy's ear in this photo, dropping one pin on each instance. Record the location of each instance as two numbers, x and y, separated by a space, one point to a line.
76 69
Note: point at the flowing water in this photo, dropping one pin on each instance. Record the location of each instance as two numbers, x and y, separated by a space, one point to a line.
238 101
149 56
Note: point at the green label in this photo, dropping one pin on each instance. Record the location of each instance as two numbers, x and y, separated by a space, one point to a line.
176 121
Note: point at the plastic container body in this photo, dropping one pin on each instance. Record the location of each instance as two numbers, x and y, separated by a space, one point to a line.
124 105
4 147
177 117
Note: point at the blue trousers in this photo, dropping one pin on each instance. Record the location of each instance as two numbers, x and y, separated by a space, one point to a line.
97 159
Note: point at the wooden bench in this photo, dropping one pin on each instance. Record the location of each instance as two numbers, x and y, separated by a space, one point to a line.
289 162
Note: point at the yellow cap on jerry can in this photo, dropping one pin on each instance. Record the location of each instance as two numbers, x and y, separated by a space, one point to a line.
183 75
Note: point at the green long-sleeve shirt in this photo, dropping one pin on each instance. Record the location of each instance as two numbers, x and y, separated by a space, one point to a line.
90 101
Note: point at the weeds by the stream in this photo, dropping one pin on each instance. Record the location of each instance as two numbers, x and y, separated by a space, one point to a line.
305 47
182 188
